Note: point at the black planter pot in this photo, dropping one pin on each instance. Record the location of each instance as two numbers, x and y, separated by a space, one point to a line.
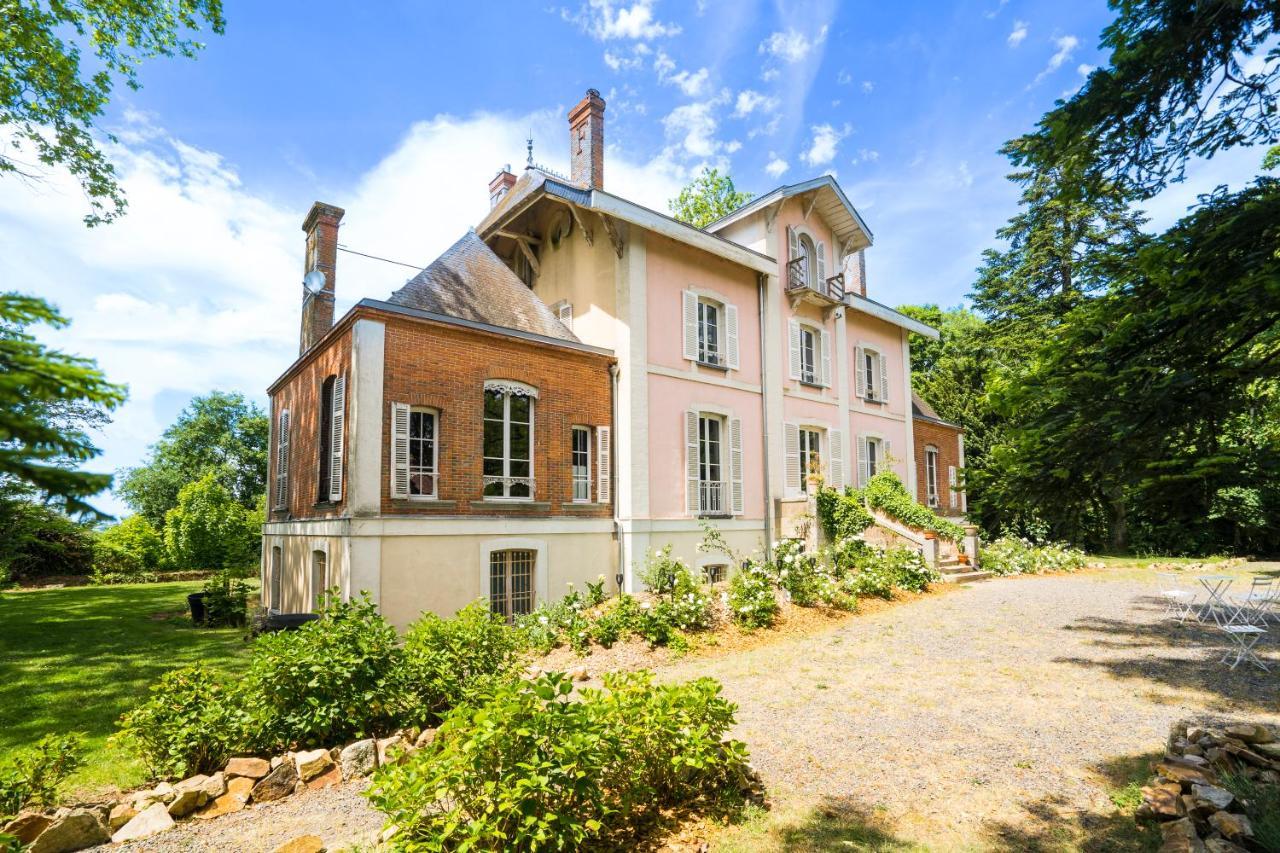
196 602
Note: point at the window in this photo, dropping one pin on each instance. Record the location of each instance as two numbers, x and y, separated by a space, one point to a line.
276 580
931 474
422 453
511 582
710 329
710 469
319 579
282 460
331 419
871 374
808 356
873 457
806 255
326 436
870 368
810 455
709 332
508 441
581 464
713 573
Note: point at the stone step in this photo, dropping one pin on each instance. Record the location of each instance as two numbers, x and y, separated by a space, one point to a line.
965 577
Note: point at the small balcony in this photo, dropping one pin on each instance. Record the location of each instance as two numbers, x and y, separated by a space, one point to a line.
711 498
803 287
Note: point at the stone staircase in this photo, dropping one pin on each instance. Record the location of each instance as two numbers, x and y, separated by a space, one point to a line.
954 571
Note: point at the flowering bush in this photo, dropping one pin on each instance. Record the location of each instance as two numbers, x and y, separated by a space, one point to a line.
1011 555
886 493
752 602
864 569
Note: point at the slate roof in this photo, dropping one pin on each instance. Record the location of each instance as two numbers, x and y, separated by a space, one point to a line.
470 282
922 410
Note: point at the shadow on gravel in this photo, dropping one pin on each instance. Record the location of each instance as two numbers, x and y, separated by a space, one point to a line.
834 823
1195 666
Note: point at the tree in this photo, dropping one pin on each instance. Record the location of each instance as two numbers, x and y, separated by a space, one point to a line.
222 434
47 400
208 529
706 198
51 105
135 542
37 540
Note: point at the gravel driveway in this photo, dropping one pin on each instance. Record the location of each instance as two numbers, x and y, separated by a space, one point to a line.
985 718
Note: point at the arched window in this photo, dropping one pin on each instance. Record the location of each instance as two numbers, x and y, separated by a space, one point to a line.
808 253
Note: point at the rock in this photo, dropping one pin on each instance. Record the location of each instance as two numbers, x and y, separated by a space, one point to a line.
1179 772
427 737
579 673
1271 750
302 844
251 768
1163 800
277 784
215 786
242 788
1234 827
161 793
1195 733
27 826
1193 760
388 752
312 763
1193 749
155 819
359 759
333 776
1219 797
1222 845
275 762
74 829
188 795
1250 733
121 814
238 793
1179 836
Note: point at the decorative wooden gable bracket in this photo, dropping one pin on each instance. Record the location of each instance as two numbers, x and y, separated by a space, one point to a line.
614 237
577 218
523 243
813 200
771 215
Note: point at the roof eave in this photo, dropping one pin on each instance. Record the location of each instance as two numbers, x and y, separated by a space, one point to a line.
787 191
883 312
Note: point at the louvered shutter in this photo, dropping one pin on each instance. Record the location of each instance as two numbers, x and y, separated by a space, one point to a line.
604 464
863 474
690 309
793 245
951 483
791 440
735 463
885 450
400 450
691 461
836 439
282 460
731 334
821 283
860 372
825 346
884 378
794 336
566 315
337 437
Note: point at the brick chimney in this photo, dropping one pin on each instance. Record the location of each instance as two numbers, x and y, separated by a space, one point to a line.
501 185
586 141
857 279
321 228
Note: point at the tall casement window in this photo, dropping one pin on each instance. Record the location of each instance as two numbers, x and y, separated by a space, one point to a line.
276 579
808 356
580 464
508 440
871 375
810 455
710 330
282 460
714 458
710 471
319 579
931 474
809 450
810 353
423 453
873 457
331 421
511 582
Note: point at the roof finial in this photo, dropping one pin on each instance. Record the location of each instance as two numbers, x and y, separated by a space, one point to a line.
528 163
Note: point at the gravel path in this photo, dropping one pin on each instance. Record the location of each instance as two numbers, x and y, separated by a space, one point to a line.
978 719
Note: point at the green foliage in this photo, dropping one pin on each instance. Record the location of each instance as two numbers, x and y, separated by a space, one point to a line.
1010 555
752 602
47 397
708 197
842 515
191 724
51 105
226 600
1261 802
37 540
451 661
31 777
220 433
532 769
886 493
132 550
209 530
337 678
865 570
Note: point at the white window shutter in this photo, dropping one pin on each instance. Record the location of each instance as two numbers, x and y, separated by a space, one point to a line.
791 440
735 463
862 462
860 372
793 246
794 336
691 461
731 334
825 346
400 450
337 437
884 378
822 265
282 460
951 482
836 439
604 463
690 307
565 313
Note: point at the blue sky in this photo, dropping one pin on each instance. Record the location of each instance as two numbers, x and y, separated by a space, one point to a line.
401 112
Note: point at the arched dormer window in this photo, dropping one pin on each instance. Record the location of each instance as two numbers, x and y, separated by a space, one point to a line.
807 253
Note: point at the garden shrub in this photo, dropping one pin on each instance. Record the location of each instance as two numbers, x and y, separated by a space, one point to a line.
449 661
332 680
133 546
208 529
870 571
886 493
842 514
752 602
1012 555
30 777
226 600
39 541
532 769
192 723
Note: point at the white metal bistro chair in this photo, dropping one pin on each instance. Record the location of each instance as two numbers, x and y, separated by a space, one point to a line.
1254 607
1178 600
1243 636
1216 586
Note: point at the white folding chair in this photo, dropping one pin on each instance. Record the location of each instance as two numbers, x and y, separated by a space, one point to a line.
1254 607
1178 600
1243 636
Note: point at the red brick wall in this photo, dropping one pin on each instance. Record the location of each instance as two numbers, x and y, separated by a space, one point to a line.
947 440
444 367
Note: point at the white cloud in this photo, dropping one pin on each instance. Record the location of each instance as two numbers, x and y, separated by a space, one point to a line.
792 45
692 84
1018 34
663 64
996 11
776 166
844 78
606 20
1084 69
692 127
767 129
627 61
750 100
868 87
826 140
866 155
1066 46
769 74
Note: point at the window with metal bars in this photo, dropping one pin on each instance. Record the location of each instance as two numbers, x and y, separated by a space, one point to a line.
511 582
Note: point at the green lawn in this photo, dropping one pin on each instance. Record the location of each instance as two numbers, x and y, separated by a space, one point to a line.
76 659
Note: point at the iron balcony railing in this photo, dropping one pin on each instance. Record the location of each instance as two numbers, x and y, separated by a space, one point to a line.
711 496
798 279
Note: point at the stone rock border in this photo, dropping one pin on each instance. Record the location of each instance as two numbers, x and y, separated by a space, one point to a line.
1195 813
245 781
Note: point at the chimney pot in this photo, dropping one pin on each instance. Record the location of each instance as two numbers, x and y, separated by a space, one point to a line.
586 141
501 185
321 228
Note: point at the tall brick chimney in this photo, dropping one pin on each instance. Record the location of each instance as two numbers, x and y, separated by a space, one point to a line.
586 141
321 228
501 185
